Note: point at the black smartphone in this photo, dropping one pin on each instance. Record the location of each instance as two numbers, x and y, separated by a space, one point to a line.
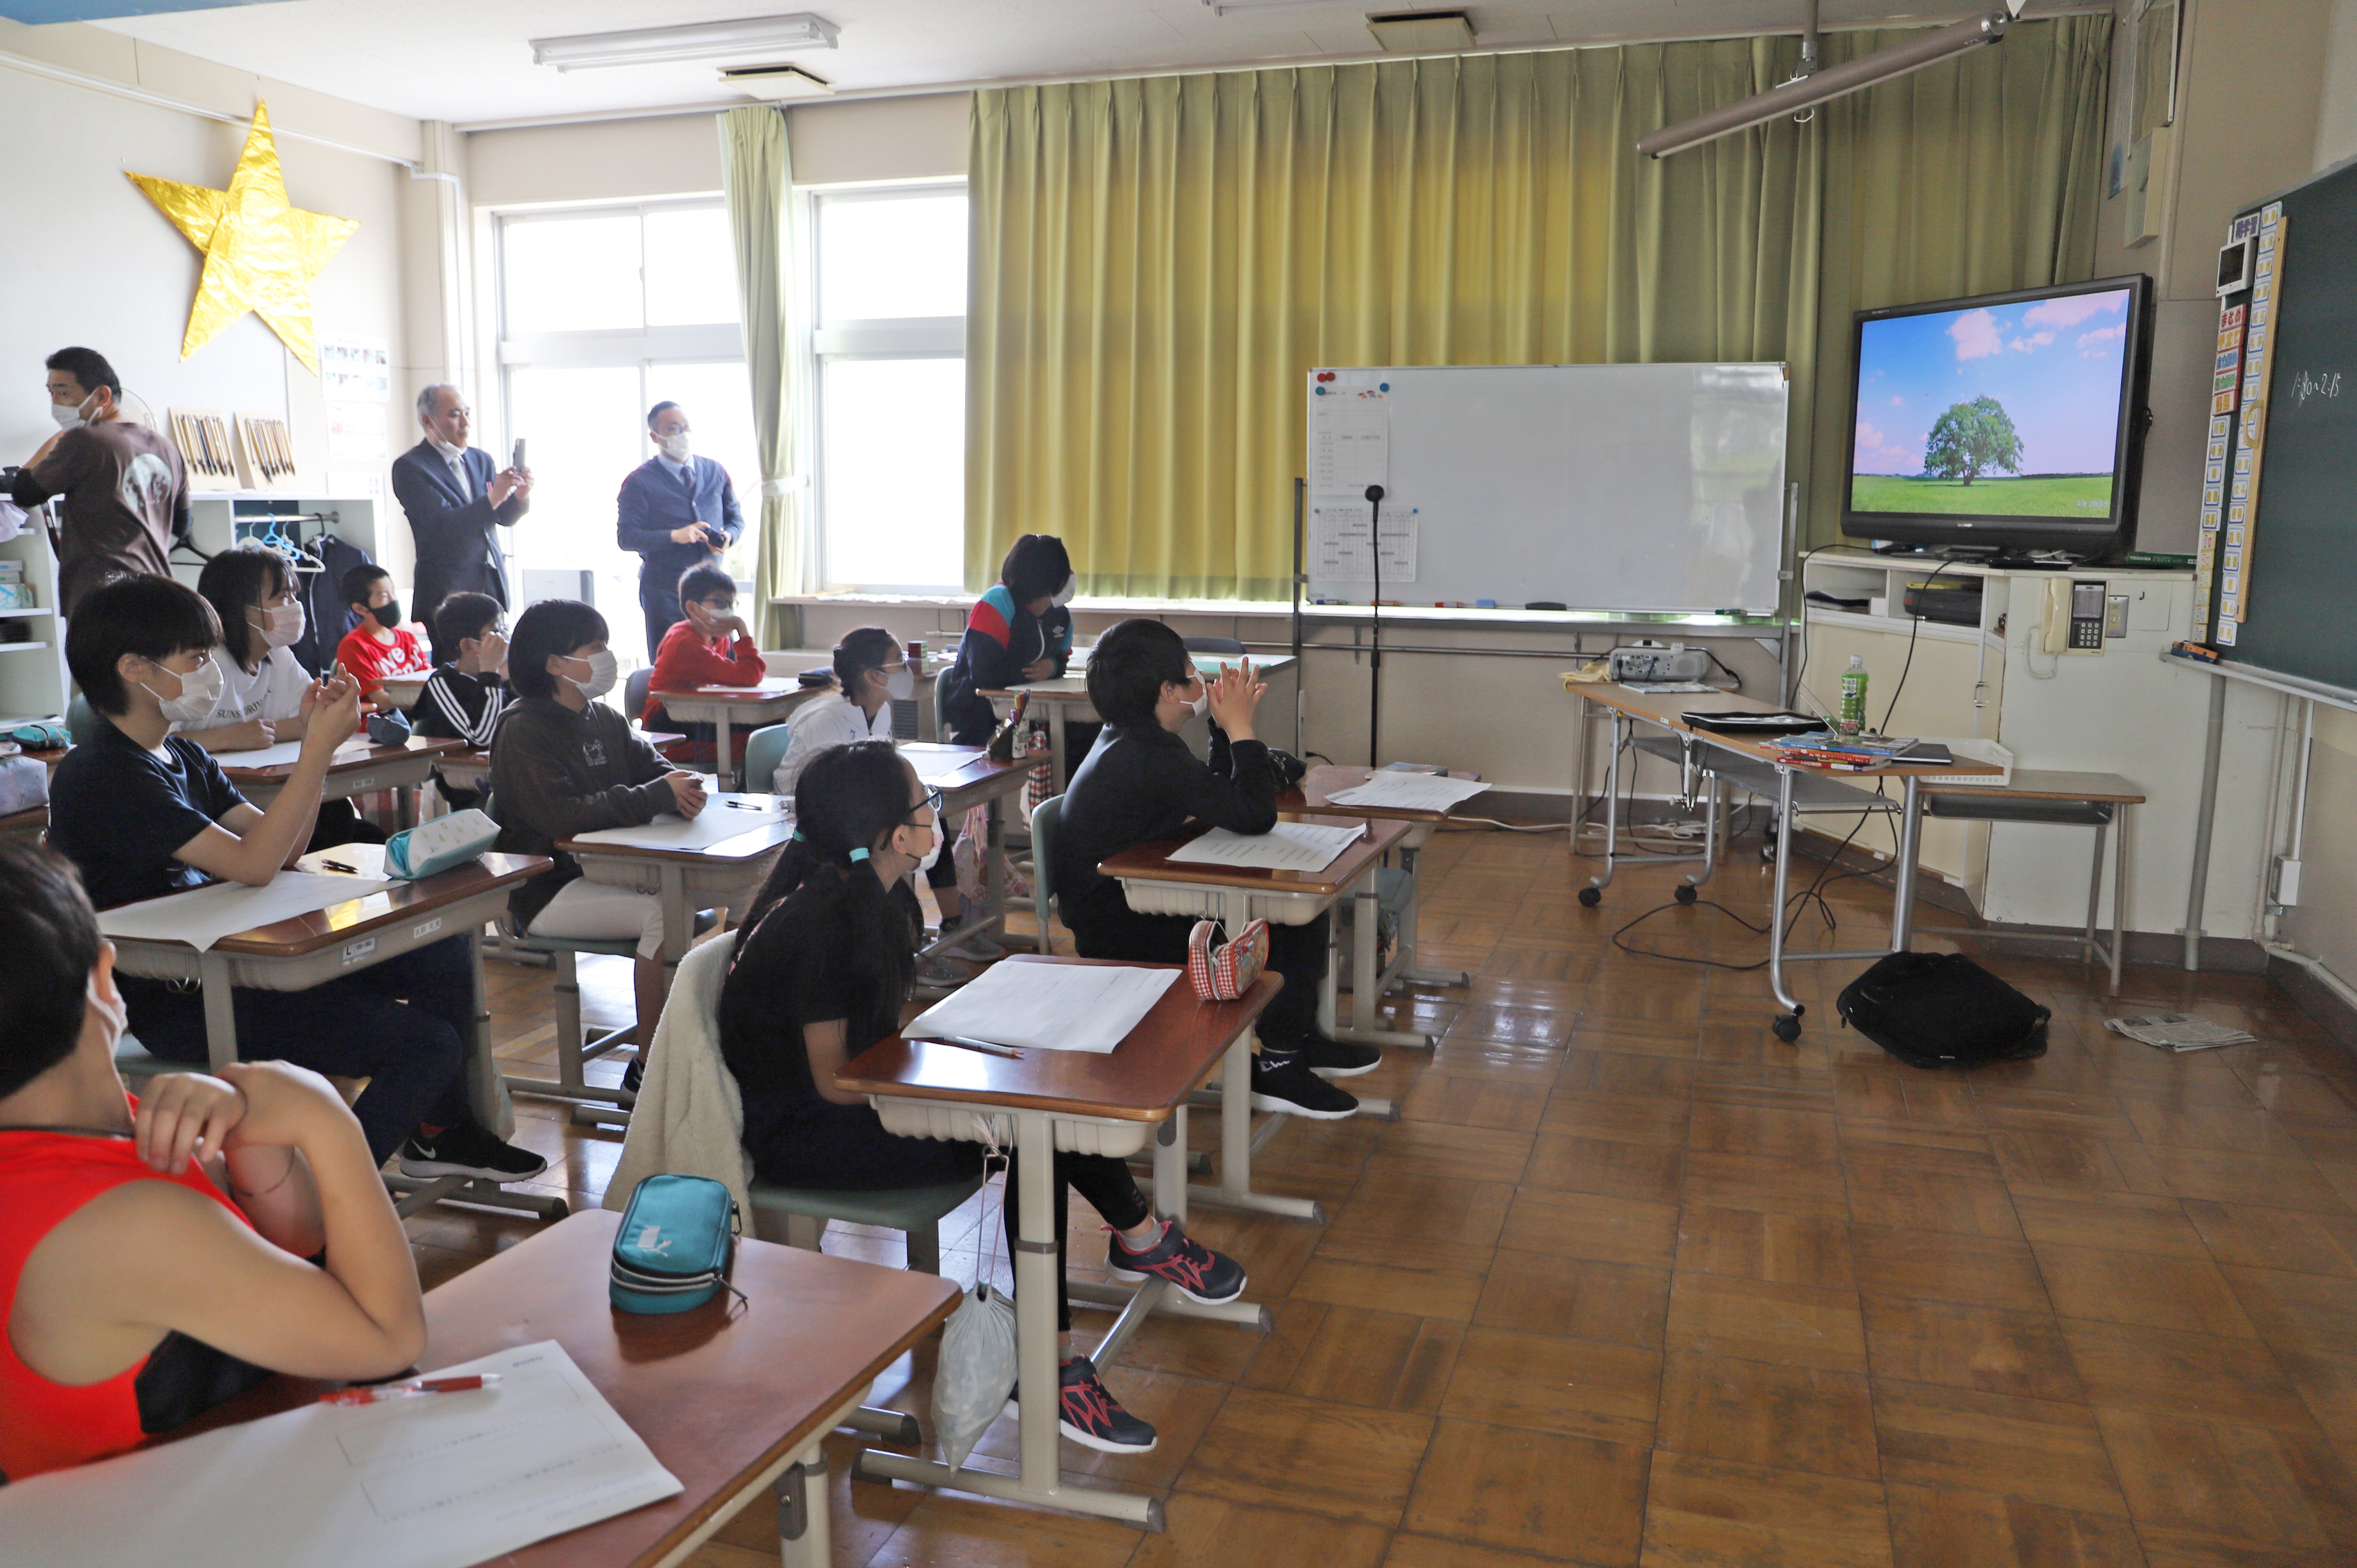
515 458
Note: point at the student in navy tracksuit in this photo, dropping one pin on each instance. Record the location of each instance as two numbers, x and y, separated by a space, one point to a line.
677 510
1019 631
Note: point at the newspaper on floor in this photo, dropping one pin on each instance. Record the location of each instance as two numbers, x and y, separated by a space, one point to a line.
2179 1032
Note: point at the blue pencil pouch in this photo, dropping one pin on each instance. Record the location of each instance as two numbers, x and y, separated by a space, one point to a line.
674 1251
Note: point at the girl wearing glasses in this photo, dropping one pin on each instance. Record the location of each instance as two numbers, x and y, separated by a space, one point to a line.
819 975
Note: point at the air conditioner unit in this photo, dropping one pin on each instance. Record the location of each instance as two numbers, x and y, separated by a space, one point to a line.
775 83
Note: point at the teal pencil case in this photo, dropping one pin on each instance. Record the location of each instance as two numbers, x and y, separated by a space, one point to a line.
439 845
677 1238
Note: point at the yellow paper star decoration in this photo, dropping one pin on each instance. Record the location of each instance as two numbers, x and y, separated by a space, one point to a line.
260 250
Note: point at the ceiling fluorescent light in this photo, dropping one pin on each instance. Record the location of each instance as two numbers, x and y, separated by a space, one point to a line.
1831 82
774 82
1421 32
690 41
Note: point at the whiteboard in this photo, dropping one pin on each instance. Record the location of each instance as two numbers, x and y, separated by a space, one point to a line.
1635 488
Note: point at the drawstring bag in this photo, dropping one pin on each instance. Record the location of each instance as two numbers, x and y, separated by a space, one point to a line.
974 1373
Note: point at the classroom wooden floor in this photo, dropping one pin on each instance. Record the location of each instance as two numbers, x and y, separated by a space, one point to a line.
1631 1281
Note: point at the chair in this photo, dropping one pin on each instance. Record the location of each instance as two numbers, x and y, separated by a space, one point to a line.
764 749
82 719
1046 820
634 693
593 1104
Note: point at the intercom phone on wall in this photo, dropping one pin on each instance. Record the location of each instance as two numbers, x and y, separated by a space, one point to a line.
2074 616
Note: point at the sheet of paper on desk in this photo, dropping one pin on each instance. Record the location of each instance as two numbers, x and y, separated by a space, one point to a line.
1048 1007
286 753
440 1481
1410 792
1288 846
204 917
718 820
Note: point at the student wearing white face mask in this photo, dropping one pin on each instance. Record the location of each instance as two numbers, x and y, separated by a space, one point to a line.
1019 630
565 763
252 592
677 510
710 645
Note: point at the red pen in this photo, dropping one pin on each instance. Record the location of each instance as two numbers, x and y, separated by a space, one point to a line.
378 1393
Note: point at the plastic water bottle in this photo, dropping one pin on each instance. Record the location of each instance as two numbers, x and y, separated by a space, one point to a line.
1853 698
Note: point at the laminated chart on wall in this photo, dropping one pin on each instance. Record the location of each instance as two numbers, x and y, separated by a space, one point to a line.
2236 534
1338 541
2214 459
1349 437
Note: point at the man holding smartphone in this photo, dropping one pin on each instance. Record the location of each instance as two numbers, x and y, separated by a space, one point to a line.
455 500
677 510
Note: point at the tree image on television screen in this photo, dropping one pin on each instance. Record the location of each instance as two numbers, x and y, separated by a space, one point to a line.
1972 438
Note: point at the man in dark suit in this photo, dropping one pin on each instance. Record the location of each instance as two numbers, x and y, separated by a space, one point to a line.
677 510
454 500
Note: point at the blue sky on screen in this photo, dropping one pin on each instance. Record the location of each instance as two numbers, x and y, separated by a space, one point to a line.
2054 364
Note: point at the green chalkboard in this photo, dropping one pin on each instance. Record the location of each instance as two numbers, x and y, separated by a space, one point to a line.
2302 584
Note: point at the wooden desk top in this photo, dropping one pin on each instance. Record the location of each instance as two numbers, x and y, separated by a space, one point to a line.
1175 1047
1665 708
401 901
1152 862
770 691
1321 783
415 746
950 769
764 832
720 1394
2043 784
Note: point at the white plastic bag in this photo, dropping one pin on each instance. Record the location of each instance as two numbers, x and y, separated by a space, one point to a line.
974 1373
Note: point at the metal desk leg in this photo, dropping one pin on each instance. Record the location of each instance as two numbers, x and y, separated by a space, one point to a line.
1366 974
1910 834
1593 894
1685 889
221 1011
1412 970
2120 893
1040 1481
679 919
2088 946
994 874
1787 1024
805 1533
1059 765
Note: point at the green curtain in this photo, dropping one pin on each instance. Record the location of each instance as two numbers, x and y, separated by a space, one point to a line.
758 173
1157 262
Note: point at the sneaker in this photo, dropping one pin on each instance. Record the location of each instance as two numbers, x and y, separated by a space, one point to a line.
1334 1058
469 1151
978 948
1199 1273
634 1075
938 975
1090 1416
1294 1090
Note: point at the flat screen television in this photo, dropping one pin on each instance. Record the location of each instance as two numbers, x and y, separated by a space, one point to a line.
2010 419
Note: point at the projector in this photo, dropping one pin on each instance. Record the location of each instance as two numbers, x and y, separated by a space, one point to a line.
1652 661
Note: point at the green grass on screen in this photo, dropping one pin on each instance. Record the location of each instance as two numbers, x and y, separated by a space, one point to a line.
2074 495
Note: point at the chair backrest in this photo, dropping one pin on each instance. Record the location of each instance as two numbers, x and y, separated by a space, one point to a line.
1214 645
634 692
1047 817
941 705
82 719
764 749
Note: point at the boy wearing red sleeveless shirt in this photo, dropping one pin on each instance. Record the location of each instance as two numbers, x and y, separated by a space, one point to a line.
153 1259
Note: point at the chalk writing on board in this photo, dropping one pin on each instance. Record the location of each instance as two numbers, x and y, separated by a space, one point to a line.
2308 384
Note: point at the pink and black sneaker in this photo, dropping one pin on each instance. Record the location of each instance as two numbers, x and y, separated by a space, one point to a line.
1089 1415
1199 1273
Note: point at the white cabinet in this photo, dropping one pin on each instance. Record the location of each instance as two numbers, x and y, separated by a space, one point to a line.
2118 707
33 681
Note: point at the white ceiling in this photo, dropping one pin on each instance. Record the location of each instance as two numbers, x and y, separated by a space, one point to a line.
471 62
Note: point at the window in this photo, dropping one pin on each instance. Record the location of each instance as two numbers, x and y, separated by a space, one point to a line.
605 312
889 350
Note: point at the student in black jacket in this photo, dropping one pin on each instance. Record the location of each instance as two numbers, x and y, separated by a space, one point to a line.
468 692
1141 783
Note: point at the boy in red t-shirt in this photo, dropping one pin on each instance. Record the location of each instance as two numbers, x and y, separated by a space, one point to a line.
379 646
710 647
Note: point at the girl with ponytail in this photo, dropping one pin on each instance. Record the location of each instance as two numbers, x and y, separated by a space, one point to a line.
821 967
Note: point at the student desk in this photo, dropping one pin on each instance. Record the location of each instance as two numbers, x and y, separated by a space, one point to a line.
736 707
1110 1104
26 826
1314 793
472 769
403 691
1066 701
1662 710
311 950
967 778
396 767
1154 884
732 1399
729 871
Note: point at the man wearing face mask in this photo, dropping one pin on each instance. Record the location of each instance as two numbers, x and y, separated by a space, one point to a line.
125 489
677 510
454 504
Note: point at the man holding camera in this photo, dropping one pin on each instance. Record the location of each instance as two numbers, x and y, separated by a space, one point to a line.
677 510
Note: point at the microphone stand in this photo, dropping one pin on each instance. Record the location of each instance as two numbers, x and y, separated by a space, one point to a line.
1375 624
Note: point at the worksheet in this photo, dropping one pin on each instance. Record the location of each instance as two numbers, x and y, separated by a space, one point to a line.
204 917
723 817
1410 792
438 1481
287 752
1288 846
1349 447
1338 541
1046 1006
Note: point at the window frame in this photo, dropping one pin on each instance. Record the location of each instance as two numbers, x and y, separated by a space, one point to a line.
875 337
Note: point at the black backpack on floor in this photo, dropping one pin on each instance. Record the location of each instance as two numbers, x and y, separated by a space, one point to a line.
1941 1009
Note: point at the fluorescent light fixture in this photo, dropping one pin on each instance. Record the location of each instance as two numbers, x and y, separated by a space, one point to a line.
1832 81
689 41
773 83
1420 32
